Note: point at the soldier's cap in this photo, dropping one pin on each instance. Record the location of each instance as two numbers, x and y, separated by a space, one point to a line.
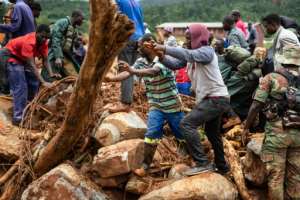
290 55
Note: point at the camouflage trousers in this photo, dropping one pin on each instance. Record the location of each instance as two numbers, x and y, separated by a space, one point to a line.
281 154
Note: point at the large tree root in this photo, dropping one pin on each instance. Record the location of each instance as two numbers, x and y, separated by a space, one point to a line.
236 170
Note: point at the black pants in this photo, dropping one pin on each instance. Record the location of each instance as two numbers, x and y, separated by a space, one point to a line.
129 54
208 112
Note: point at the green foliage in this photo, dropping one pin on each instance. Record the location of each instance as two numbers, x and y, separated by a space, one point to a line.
160 11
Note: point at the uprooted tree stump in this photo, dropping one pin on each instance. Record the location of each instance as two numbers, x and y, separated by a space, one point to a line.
108 34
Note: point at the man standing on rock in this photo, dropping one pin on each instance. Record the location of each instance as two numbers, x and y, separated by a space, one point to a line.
129 54
162 94
212 97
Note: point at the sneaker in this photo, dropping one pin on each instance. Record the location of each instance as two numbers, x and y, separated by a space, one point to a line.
199 169
232 122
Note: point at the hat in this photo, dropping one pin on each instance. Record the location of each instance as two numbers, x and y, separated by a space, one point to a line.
169 29
290 55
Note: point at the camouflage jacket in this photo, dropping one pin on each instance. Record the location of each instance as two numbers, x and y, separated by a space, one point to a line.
58 38
272 87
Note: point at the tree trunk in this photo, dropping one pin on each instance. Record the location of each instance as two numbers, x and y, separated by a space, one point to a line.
108 34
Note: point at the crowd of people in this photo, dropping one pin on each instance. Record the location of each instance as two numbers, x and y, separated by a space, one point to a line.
251 75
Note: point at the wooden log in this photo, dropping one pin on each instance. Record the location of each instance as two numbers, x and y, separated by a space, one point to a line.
236 169
108 34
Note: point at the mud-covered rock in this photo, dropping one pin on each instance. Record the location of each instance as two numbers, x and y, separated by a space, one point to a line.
206 186
120 158
63 183
120 126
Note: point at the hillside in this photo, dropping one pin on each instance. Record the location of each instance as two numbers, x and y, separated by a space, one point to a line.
159 11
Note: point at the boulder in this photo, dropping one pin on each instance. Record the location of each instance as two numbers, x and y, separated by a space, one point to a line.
206 186
120 158
63 183
10 144
253 167
5 111
120 126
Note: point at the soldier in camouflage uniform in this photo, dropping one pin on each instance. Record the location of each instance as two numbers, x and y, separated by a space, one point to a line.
63 35
281 146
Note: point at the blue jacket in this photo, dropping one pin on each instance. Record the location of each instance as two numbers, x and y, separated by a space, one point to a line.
22 21
133 10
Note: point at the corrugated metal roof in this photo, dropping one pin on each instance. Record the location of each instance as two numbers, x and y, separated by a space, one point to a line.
186 24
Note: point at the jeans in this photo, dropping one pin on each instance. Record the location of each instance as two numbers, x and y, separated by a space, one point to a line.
184 88
129 54
155 124
208 112
24 85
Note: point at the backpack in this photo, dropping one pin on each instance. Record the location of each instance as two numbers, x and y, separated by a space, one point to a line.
236 55
291 118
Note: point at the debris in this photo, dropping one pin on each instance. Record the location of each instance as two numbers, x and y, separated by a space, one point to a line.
236 169
254 169
10 144
176 172
137 185
111 182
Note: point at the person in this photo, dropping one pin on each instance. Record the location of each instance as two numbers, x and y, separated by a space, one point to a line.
22 20
239 22
36 9
183 82
281 37
63 34
281 145
3 9
235 37
251 37
169 39
146 26
165 104
129 54
23 76
244 81
290 24
212 98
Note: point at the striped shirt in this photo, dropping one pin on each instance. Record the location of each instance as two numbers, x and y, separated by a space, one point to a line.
161 89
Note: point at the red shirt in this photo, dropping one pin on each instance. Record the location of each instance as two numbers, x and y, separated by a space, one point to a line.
242 26
24 47
181 76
